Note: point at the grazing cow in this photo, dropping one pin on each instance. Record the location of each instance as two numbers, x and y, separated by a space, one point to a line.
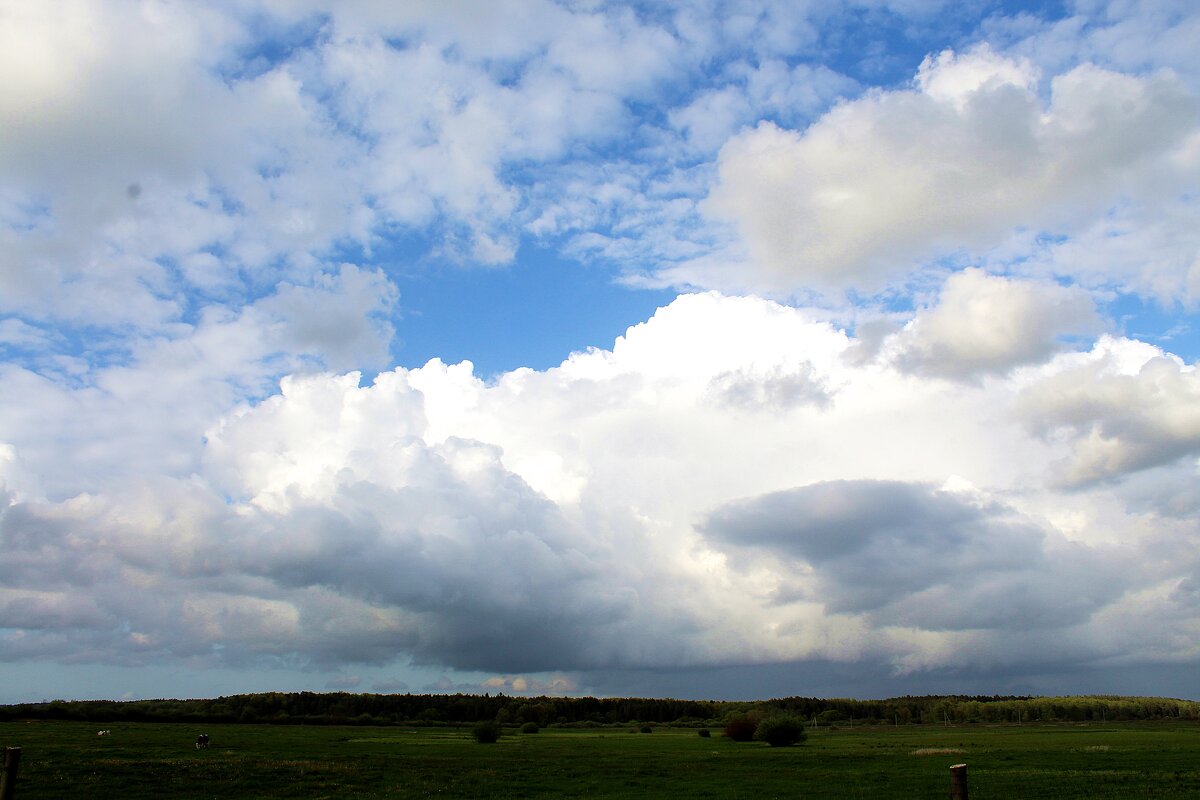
202 741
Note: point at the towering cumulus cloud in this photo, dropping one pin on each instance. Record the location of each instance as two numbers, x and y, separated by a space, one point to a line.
637 507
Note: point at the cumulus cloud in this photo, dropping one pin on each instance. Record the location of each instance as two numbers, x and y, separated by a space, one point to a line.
915 556
986 324
1124 407
726 484
390 685
130 152
342 318
194 469
183 383
150 163
553 684
959 161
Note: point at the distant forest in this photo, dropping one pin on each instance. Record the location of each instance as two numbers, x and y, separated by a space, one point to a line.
343 708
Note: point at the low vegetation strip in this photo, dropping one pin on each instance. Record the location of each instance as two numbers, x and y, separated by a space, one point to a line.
343 708
65 759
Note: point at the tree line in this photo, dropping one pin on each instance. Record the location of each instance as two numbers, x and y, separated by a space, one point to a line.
346 708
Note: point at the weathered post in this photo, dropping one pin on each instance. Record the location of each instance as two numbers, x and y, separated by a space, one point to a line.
8 776
958 782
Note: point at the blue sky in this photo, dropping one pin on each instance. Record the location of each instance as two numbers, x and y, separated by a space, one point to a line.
691 348
505 318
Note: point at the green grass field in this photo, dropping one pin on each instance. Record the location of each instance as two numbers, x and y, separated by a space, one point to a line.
68 760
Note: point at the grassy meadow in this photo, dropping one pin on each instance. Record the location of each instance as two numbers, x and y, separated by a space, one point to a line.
158 760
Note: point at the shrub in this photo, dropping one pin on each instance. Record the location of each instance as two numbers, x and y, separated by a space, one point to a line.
704 734
781 730
741 729
529 727
647 729
486 732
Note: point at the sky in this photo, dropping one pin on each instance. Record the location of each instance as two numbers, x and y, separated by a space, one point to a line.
693 348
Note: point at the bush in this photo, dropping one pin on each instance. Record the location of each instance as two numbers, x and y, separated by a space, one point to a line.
647 729
741 729
704 734
781 730
529 727
486 732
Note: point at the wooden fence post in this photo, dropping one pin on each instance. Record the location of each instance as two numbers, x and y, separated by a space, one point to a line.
8 776
958 782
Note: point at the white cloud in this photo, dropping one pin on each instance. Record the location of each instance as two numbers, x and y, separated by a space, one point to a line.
129 151
958 79
988 324
338 318
1128 35
15 333
1124 407
146 164
146 414
1152 251
193 468
769 89
728 483
968 156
